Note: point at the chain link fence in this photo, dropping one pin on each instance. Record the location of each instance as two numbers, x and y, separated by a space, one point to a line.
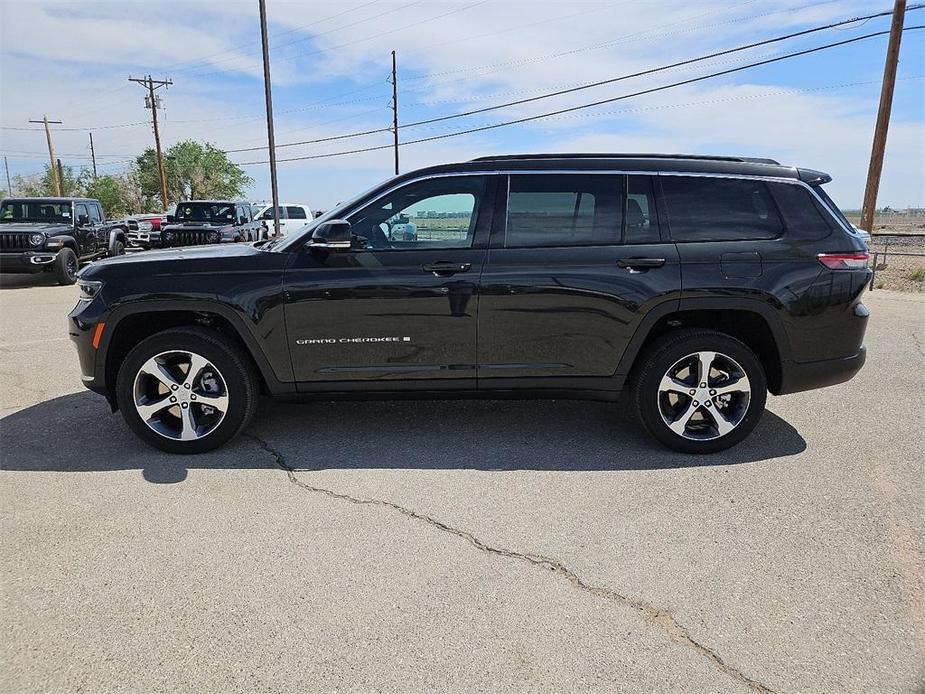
897 262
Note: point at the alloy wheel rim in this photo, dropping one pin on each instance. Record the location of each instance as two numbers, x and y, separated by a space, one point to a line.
704 396
180 395
71 266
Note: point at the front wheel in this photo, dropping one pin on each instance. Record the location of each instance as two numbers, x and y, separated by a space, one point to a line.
118 248
186 390
66 266
700 391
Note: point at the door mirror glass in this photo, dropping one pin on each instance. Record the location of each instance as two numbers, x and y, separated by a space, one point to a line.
333 234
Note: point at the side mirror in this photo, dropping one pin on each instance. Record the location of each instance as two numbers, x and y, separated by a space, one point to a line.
333 234
169 218
83 220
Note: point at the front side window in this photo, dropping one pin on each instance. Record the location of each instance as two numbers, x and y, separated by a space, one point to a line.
546 210
436 213
703 208
95 216
81 212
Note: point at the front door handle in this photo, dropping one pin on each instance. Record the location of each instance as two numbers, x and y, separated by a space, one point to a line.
640 264
443 268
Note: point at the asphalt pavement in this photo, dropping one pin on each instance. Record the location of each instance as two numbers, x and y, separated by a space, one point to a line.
461 546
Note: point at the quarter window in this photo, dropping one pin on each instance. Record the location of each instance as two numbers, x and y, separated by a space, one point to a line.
564 210
704 208
436 213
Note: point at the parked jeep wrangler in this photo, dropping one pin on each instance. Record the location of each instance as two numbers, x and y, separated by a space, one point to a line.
201 222
55 235
697 283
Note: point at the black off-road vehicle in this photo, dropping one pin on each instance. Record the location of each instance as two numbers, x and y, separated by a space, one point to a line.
698 283
202 222
55 235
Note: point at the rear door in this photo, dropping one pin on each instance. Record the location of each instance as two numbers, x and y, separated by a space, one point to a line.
402 303
576 260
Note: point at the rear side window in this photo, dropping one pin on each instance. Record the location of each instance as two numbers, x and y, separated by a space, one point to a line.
641 217
802 214
296 213
564 210
702 208
95 215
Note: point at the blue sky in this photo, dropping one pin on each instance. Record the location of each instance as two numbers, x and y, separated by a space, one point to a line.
331 61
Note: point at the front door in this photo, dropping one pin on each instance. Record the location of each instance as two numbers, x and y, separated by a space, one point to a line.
402 303
571 271
86 230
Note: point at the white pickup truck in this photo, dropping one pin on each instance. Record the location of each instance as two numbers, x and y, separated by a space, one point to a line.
291 216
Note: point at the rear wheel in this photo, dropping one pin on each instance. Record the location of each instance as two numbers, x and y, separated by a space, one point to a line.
700 391
66 266
186 390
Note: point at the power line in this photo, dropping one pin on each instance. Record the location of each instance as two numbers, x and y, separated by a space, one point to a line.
582 87
571 109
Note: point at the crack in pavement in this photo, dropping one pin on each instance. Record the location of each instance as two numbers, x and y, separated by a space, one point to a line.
653 615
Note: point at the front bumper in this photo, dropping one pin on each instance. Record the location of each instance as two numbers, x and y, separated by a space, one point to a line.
144 239
21 262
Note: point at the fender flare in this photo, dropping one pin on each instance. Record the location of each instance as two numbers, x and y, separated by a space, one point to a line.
116 234
274 385
651 319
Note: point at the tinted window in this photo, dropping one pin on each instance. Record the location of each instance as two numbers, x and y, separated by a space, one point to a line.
564 210
95 215
80 210
719 209
296 213
641 217
801 212
436 213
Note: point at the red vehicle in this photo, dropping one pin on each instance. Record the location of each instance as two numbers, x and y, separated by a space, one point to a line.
144 230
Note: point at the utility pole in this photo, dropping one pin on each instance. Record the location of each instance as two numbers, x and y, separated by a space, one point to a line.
152 103
9 186
56 181
60 179
869 209
395 109
93 156
271 138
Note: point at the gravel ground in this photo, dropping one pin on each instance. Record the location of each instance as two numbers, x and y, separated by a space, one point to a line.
461 546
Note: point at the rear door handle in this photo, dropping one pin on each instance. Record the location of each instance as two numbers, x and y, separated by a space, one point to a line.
444 268
640 264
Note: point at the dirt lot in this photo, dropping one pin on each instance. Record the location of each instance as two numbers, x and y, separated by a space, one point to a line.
461 546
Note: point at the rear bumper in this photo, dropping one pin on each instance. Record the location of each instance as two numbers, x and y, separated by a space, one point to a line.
798 377
26 261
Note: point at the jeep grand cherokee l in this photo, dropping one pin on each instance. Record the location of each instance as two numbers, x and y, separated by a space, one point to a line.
698 283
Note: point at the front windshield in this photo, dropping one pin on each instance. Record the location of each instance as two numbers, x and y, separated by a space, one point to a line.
204 212
35 211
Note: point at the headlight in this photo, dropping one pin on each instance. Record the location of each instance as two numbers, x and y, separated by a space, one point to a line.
145 226
216 236
37 239
89 289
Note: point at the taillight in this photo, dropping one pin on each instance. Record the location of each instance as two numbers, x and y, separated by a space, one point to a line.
844 261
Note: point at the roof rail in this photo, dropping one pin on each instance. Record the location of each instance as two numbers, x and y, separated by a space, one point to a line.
616 155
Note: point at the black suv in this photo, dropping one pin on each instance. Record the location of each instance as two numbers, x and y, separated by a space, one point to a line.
698 283
201 222
55 235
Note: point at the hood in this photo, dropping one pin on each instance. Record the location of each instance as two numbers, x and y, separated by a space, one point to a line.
176 257
34 228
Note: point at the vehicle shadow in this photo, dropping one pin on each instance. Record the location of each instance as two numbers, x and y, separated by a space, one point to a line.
76 433
25 280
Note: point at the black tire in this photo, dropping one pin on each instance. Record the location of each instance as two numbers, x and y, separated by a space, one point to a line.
667 351
236 370
66 266
118 248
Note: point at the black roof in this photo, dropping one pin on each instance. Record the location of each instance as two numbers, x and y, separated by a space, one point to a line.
644 163
49 199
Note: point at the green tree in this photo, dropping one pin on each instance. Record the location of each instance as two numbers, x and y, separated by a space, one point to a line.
194 171
42 185
118 194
